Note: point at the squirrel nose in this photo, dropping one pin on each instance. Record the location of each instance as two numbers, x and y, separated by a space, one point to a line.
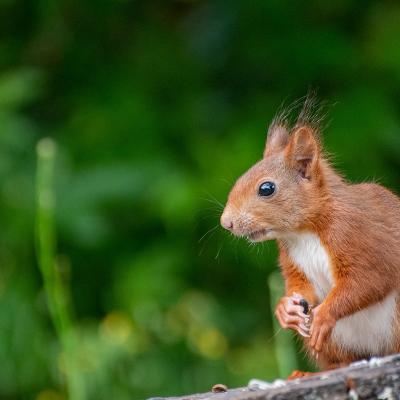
226 222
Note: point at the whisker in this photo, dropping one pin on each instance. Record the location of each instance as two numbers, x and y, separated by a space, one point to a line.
204 243
230 182
211 208
213 199
214 216
219 251
209 231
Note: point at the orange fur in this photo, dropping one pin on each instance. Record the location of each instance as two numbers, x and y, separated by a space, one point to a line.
357 224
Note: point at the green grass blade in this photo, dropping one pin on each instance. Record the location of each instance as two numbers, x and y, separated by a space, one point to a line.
56 293
284 345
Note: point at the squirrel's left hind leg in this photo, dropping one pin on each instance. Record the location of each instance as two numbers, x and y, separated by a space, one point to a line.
300 374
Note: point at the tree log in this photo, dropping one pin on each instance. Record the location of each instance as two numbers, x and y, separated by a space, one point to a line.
378 378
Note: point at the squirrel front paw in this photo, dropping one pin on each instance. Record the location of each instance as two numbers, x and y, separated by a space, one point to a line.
290 315
321 327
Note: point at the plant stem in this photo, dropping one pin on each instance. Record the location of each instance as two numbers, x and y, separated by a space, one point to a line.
284 346
56 293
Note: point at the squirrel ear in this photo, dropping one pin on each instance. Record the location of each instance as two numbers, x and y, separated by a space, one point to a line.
303 151
277 139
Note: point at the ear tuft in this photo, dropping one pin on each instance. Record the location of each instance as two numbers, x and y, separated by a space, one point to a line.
277 139
303 151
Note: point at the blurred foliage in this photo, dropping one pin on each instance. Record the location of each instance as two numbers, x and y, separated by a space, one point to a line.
156 108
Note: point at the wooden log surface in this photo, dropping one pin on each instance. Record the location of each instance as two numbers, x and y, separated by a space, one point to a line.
378 378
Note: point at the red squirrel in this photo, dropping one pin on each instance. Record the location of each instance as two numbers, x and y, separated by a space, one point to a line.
339 244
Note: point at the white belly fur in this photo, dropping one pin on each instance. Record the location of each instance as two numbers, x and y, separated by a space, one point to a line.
367 331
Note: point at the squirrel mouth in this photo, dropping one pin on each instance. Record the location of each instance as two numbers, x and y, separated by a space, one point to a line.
259 236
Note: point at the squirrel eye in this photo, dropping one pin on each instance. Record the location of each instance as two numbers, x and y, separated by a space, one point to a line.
266 189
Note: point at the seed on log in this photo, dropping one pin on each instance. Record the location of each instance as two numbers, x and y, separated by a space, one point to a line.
219 388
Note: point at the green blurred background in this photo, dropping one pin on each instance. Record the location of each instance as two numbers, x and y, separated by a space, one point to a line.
156 107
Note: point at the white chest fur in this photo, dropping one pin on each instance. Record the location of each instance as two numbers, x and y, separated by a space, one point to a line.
308 253
368 331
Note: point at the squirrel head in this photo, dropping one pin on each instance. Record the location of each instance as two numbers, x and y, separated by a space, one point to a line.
282 193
